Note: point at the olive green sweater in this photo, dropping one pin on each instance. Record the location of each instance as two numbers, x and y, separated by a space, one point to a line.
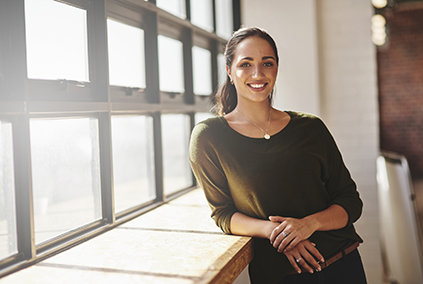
298 172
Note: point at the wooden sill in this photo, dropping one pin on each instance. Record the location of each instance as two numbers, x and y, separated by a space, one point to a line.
175 243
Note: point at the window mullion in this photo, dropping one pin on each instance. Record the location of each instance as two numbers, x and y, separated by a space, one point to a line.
15 78
188 9
23 187
236 8
152 60
214 15
158 156
106 168
98 50
15 70
99 71
188 77
214 65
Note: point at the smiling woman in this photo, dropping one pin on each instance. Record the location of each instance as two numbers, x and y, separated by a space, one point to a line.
276 175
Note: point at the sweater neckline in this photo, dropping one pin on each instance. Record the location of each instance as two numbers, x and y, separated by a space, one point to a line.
225 122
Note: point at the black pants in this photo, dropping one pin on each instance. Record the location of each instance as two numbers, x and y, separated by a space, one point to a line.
347 270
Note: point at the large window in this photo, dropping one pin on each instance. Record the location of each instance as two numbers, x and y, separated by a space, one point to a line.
97 103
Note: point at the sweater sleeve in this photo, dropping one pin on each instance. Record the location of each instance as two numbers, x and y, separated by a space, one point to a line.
339 184
206 166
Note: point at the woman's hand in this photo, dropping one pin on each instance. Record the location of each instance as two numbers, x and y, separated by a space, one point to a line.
290 232
305 254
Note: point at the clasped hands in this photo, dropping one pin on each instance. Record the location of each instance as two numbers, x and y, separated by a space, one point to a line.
290 236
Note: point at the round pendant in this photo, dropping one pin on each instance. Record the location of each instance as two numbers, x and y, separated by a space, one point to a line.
267 136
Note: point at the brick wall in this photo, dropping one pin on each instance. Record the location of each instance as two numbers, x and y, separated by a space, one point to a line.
400 76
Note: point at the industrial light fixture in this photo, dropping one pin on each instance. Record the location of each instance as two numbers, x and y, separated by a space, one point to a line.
378 29
379 3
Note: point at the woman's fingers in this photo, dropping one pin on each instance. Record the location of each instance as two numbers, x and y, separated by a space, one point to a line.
288 243
311 261
289 233
304 255
278 235
294 264
314 251
278 219
297 261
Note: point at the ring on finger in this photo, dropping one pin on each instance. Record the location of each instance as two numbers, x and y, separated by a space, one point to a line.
284 235
298 259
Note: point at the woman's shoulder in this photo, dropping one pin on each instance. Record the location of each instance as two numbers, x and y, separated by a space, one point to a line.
304 117
208 127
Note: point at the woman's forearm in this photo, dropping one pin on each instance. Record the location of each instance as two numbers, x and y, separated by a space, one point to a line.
247 226
333 218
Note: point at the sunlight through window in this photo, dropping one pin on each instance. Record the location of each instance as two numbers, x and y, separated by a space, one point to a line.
56 37
175 136
201 60
171 65
66 174
133 161
126 55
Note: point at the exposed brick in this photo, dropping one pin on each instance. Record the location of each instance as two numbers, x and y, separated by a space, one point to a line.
400 74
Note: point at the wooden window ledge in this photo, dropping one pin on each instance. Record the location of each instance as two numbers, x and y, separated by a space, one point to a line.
174 243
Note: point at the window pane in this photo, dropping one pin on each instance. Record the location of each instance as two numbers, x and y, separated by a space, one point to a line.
176 7
202 71
66 175
8 238
126 55
56 37
221 65
171 66
133 161
202 14
175 135
224 18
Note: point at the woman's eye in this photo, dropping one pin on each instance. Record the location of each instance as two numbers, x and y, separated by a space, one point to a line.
268 64
245 64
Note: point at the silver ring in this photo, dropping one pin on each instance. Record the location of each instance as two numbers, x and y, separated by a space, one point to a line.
284 235
298 260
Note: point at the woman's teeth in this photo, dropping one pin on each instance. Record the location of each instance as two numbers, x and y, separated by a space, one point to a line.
257 86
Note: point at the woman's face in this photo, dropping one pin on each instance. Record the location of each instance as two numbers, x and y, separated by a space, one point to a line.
254 69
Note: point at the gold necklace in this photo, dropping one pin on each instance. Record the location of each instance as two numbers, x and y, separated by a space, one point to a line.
266 135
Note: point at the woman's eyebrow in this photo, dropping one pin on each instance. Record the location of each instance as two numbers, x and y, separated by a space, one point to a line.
263 58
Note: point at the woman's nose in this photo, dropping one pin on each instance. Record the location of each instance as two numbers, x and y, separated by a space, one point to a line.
257 72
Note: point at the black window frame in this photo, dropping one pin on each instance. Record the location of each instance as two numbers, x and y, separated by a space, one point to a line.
22 99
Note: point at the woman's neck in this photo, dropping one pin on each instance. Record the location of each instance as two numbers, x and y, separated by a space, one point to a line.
258 112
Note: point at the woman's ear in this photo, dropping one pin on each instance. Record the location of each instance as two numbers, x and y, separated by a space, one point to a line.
228 71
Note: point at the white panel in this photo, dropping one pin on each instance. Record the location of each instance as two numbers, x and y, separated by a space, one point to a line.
399 230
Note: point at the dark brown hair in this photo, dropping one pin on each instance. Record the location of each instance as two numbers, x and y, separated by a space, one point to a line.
225 98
